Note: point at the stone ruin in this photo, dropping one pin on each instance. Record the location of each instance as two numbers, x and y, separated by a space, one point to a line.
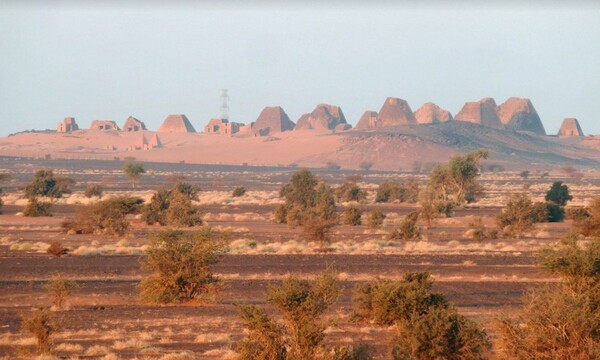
394 112
222 127
570 127
430 113
368 120
520 115
104 125
272 120
67 125
324 117
132 125
481 112
177 124
143 144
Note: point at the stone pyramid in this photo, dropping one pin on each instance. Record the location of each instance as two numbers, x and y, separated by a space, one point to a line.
430 113
323 117
132 124
395 112
481 112
570 127
272 120
177 124
368 120
520 115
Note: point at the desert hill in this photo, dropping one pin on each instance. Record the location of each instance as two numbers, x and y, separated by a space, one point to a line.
389 148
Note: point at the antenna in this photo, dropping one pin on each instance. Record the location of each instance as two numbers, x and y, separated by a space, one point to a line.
224 105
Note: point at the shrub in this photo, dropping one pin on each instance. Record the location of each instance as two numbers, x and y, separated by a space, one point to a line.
60 289
376 218
180 266
577 214
349 191
479 232
587 221
302 305
47 185
433 205
134 171
366 165
332 165
440 333
408 228
93 190
181 213
518 216
352 216
56 249
105 217
385 301
539 212
360 352
36 208
41 325
525 174
389 191
317 229
559 194
173 207
556 213
239 191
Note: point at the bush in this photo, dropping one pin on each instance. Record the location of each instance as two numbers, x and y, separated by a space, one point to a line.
559 194
134 171
389 191
173 207
587 222
239 191
440 333
360 352
456 181
408 229
56 249
181 213
518 216
180 266
332 166
479 232
60 289
376 218
352 216
317 229
433 205
36 208
366 165
41 325
349 191
93 190
104 217
302 305
47 185
385 301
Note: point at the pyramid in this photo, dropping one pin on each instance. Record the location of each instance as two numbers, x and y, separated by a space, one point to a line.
520 115
570 127
368 120
430 113
395 112
177 124
155 141
323 117
132 124
272 120
481 112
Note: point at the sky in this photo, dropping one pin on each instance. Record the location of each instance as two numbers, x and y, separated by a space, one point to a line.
108 61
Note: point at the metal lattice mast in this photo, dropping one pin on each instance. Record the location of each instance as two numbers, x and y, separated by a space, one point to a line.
224 105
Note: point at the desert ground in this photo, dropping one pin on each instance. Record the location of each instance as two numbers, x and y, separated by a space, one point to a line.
105 318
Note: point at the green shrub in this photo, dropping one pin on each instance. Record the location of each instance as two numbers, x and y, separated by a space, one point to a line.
46 184
389 191
41 325
173 207
239 191
180 266
352 216
104 217
559 194
36 208
518 216
93 190
349 191
376 218
408 228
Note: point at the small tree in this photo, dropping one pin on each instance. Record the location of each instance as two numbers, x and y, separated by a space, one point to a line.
352 216
518 216
408 228
180 266
41 325
93 190
60 289
46 184
239 191
376 218
173 207
36 208
559 194
104 217
317 229
134 171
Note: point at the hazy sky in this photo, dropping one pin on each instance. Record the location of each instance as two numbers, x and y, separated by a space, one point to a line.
62 59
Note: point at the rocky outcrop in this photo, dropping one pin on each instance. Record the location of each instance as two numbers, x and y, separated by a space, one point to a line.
519 114
177 124
67 125
104 125
368 120
323 117
430 113
222 127
132 125
570 127
481 112
272 120
395 112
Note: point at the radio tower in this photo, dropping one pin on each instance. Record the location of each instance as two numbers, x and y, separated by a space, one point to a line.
224 105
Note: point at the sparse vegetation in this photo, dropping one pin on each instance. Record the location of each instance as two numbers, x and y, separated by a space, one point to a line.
180 266
46 184
37 208
408 228
478 231
93 190
134 171
56 249
366 165
352 216
376 218
41 325
104 217
60 289
239 191
518 216
350 191
390 191
173 207
332 165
